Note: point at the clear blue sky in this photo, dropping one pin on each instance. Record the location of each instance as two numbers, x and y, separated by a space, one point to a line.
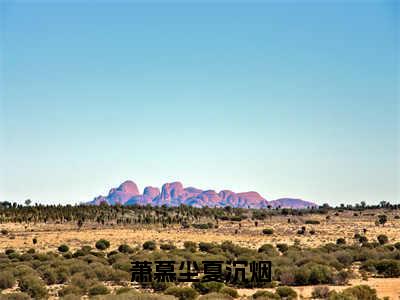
288 100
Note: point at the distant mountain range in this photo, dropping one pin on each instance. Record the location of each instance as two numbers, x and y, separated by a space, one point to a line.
174 194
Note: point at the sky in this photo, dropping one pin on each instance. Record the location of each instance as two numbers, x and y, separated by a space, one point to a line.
289 100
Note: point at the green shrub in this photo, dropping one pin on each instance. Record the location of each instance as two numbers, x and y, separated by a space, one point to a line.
63 248
268 231
192 246
382 239
7 280
215 296
265 295
48 275
286 292
86 248
70 290
167 246
81 281
33 286
206 247
320 292
124 248
340 241
208 287
102 244
98 289
149 245
9 251
159 286
229 291
282 247
397 245
123 290
361 292
268 249
388 267
15 296
312 222
184 293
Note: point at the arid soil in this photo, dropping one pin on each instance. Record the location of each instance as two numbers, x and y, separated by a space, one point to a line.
50 236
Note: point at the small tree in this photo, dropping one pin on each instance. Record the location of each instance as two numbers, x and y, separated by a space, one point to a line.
382 219
286 292
340 241
382 239
63 248
182 293
268 231
102 244
149 245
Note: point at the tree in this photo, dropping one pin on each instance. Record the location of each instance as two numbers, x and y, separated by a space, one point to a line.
382 239
80 224
382 219
28 202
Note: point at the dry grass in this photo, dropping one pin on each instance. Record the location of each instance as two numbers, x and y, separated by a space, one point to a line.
50 236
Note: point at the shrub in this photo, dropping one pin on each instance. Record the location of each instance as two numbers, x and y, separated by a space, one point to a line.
81 281
4 231
160 286
86 248
63 248
340 241
382 219
268 249
15 296
286 293
361 292
7 280
149 245
206 247
215 296
98 289
268 231
312 222
388 267
320 292
208 287
184 293
397 245
33 286
9 251
192 246
282 247
102 244
70 290
382 239
265 295
34 241
203 226
124 248
48 275
229 291
167 246
123 290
